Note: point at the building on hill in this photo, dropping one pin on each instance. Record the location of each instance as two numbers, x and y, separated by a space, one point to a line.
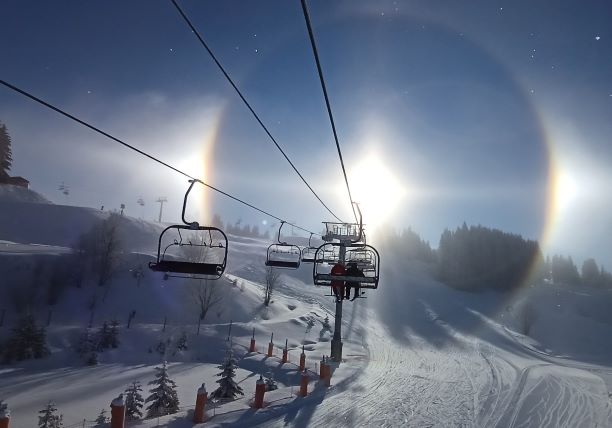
15 181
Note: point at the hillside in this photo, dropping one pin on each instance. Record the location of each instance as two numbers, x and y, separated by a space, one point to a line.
416 352
11 193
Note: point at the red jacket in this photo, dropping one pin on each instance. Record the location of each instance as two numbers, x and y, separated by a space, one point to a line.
338 270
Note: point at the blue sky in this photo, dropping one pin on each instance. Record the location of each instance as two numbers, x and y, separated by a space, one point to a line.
472 107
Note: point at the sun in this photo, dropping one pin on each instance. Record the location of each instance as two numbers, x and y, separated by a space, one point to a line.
376 188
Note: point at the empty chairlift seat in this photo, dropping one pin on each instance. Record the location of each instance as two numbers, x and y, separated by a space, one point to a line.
284 255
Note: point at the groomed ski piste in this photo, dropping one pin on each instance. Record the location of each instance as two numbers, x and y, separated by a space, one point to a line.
416 352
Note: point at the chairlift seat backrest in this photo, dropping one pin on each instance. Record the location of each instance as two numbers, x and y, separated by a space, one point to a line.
285 256
198 269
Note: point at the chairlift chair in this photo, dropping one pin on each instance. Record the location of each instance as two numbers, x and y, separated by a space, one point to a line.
321 271
362 257
187 254
283 255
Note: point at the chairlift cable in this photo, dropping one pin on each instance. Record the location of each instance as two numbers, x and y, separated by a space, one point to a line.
329 111
246 103
143 153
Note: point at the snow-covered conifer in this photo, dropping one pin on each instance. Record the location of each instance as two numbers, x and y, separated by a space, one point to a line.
104 337
113 338
228 388
326 325
87 347
27 341
133 401
181 343
4 410
164 399
102 419
49 418
161 347
270 382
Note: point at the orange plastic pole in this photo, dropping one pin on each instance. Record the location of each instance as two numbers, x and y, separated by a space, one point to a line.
302 361
5 417
260 390
304 384
118 412
252 346
199 414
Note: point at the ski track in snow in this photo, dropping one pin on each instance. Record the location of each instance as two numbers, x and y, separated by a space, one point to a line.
467 384
468 381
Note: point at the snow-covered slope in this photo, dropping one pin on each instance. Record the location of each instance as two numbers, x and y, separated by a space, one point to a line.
416 352
11 193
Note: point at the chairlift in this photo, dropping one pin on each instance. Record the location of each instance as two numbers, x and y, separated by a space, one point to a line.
308 254
362 257
365 256
283 255
190 250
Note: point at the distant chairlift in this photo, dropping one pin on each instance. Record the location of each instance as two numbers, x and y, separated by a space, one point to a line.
308 253
283 255
363 257
327 256
190 250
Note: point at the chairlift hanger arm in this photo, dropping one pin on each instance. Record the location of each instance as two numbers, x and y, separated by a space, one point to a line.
279 233
360 223
191 184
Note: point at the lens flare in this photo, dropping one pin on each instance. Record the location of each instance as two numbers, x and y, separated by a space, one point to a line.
376 188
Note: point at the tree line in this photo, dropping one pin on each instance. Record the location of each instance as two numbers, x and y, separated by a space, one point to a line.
477 257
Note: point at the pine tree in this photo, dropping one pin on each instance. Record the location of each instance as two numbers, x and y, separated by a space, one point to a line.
133 401
270 382
181 343
164 399
5 153
27 341
228 388
104 337
49 418
4 410
113 338
102 419
88 347
326 325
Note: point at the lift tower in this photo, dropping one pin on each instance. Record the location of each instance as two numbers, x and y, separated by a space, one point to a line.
346 234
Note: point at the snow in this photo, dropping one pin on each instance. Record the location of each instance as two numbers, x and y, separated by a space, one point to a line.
11 193
416 353
118 402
